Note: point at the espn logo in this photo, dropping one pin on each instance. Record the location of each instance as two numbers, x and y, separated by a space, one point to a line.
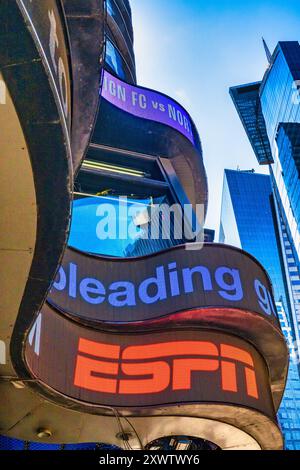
152 368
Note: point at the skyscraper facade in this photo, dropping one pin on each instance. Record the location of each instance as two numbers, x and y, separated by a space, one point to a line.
249 221
270 113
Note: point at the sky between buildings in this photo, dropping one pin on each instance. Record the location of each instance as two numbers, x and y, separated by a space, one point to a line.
194 50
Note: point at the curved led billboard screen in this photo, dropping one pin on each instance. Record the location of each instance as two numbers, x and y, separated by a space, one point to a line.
101 289
145 121
150 369
146 104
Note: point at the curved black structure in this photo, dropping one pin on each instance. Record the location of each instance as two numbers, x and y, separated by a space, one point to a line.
85 21
46 77
155 335
42 108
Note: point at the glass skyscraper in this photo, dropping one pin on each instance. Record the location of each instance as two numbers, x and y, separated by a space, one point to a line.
249 221
281 110
270 113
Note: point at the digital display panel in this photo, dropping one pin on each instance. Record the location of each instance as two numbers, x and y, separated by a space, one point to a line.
102 289
148 369
146 104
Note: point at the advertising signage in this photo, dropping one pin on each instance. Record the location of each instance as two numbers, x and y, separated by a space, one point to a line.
146 104
100 289
146 370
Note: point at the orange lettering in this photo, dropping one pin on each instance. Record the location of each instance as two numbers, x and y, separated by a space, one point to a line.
183 368
159 381
85 367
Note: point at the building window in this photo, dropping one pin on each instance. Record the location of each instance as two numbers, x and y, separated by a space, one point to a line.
114 60
123 211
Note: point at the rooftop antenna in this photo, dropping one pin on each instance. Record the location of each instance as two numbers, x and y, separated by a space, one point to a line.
267 51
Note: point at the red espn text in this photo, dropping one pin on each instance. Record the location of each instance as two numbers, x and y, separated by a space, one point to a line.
176 373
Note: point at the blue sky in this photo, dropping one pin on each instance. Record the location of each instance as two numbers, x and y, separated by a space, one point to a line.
194 50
